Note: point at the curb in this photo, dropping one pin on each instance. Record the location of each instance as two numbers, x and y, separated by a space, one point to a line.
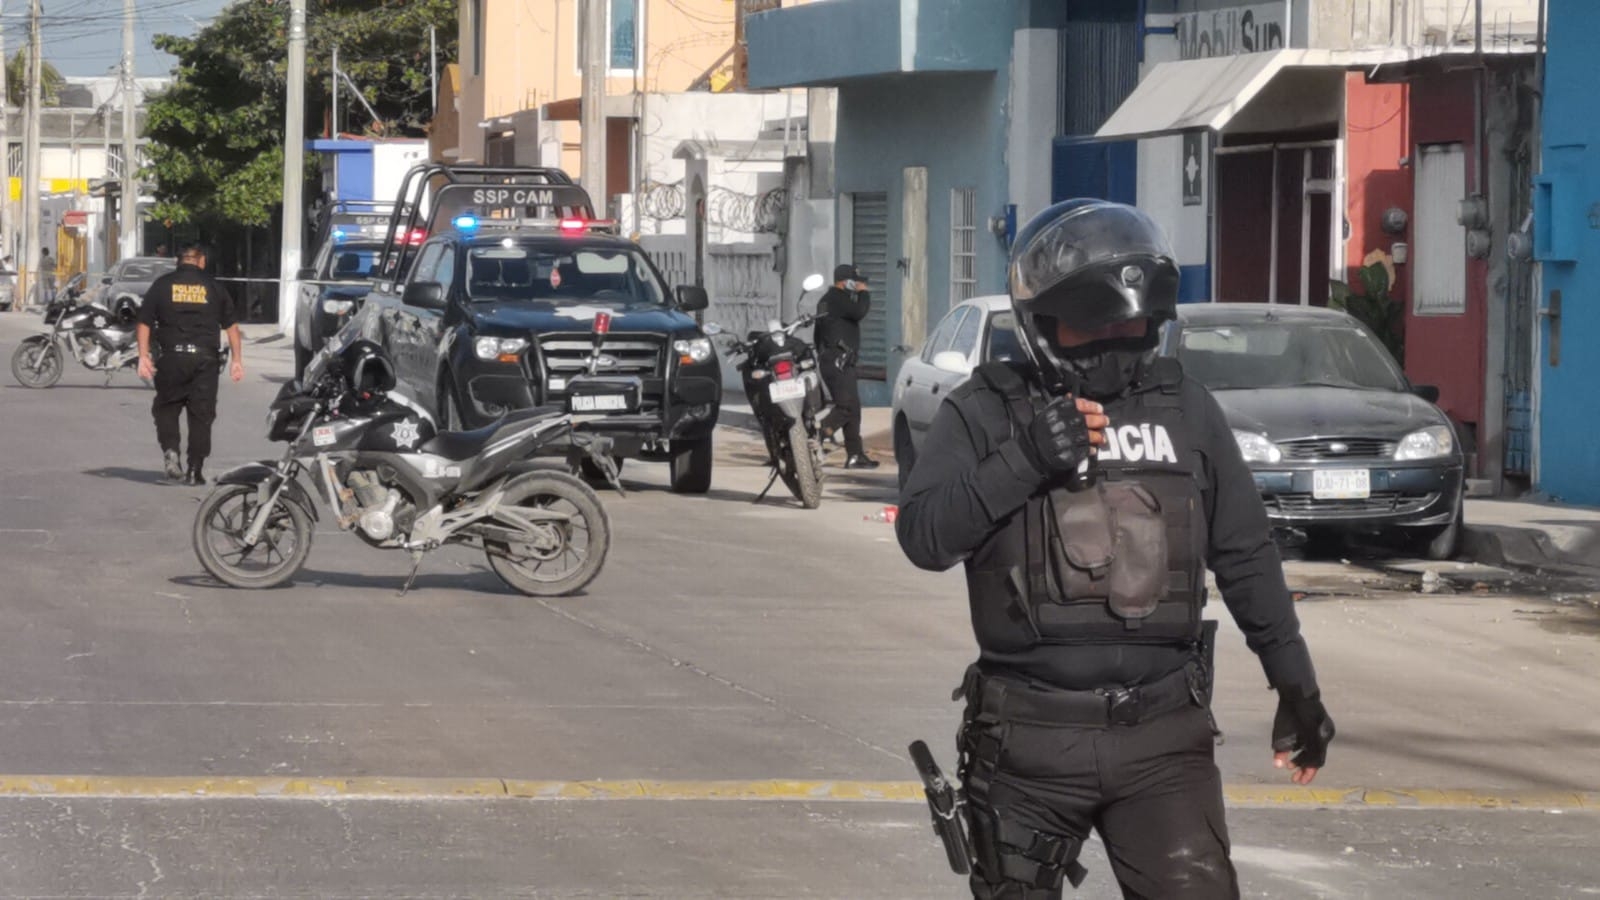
1527 549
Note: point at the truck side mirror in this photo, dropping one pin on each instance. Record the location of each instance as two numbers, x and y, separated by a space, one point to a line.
306 274
692 298
426 294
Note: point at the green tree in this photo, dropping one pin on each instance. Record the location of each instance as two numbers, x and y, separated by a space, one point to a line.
50 81
216 135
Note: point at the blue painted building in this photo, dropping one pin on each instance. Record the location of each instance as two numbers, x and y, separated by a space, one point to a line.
1566 232
948 119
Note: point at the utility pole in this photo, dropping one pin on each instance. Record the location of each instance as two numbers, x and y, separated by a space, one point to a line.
29 264
294 151
433 65
335 123
129 237
592 27
5 149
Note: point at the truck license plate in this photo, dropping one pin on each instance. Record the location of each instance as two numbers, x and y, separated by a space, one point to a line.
1341 484
793 389
599 402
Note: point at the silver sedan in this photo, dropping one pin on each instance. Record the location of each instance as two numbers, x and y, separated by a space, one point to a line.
974 332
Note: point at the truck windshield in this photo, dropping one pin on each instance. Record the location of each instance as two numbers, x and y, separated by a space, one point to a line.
562 275
351 263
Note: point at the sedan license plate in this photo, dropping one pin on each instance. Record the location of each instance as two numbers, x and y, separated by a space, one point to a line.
1341 484
599 402
793 389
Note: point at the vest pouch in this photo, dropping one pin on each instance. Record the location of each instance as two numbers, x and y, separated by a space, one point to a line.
1110 544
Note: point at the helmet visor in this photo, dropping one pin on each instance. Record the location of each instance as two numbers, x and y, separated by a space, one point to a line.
1091 238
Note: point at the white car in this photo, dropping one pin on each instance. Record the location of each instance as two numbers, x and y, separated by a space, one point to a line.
974 332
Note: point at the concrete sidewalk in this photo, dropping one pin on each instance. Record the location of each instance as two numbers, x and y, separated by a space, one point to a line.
1524 534
876 431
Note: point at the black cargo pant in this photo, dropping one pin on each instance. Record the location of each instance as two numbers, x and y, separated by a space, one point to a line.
839 373
1151 790
186 382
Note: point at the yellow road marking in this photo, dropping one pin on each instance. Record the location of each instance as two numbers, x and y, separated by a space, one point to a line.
402 788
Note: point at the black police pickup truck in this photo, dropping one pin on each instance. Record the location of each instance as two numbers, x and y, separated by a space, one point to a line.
500 310
340 276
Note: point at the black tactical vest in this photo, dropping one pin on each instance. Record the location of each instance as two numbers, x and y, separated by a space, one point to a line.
1131 569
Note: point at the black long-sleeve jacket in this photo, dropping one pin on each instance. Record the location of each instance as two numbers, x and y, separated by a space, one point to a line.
839 329
964 485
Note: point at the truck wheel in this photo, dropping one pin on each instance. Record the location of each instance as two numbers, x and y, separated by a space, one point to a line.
302 358
691 466
449 418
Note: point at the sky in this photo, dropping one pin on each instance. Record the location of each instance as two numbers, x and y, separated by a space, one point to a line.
84 37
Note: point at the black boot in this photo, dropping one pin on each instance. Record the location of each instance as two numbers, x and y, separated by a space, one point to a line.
173 467
860 461
193 476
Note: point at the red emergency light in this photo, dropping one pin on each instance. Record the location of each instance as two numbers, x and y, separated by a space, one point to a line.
602 323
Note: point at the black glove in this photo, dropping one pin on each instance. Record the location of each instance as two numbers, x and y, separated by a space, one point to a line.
1057 440
1302 725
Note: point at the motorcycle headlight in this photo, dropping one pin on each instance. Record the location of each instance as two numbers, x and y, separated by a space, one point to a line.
1427 443
693 350
495 348
337 307
1256 447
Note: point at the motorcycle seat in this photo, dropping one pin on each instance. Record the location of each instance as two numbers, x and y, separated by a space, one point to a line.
462 445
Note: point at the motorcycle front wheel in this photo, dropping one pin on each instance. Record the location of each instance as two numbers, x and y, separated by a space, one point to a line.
567 544
36 363
219 530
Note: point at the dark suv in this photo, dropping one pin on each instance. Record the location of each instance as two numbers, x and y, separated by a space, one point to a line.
497 315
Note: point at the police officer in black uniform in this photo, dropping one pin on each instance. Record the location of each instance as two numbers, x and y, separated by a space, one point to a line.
184 310
1086 494
838 340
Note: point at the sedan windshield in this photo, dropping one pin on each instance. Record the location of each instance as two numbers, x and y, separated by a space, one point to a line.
1279 355
562 275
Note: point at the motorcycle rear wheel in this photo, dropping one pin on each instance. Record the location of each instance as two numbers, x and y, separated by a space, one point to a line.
219 528
802 476
564 556
28 356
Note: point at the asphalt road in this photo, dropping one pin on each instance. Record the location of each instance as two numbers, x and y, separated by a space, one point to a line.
724 713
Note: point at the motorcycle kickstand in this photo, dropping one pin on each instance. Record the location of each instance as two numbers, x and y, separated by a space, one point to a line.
771 480
416 563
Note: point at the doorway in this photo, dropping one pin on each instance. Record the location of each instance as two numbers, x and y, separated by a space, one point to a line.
1274 223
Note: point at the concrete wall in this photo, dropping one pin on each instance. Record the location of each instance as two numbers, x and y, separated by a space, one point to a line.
1568 456
888 124
1160 178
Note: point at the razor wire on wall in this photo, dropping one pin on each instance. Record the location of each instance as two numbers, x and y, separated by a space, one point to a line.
734 210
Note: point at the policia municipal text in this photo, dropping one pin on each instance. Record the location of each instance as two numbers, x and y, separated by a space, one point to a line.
1085 558
184 310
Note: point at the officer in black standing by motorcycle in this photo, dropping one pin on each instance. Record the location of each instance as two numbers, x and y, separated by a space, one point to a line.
838 340
184 310
1086 494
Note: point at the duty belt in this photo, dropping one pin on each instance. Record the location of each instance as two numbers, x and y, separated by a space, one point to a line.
1013 700
190 348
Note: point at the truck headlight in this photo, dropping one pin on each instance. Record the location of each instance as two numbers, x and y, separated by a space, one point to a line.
1426 443
499 348
337 307
693 350
1256 447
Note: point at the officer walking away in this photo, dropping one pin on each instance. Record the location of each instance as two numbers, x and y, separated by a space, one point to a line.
1086 493
184 309
47 276
838 339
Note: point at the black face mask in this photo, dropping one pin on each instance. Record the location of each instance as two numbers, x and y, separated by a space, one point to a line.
1106 370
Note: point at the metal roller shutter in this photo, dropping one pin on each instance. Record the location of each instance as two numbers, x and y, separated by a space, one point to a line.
870 253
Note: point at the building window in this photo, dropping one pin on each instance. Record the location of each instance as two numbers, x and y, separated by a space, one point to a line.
963 244
1439 271
623 51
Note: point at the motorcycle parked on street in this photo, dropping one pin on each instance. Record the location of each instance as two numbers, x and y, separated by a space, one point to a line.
784 385
388 476
102 339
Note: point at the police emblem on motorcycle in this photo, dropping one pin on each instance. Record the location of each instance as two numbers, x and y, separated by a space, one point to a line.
99 321
405 434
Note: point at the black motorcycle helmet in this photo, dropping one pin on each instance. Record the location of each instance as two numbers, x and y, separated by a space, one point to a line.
126 309
367 371
1088 265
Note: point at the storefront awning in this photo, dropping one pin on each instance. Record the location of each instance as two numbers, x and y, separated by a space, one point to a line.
1207 94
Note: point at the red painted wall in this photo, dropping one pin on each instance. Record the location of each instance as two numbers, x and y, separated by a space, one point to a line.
1450 351
1377 138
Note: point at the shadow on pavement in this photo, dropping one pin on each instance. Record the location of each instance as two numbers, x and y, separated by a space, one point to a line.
141 476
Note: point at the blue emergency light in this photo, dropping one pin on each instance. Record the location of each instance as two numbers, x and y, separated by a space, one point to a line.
338 234
465 223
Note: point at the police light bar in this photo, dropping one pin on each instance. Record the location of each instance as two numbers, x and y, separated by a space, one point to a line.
465 223
564 226
602 323
416 236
